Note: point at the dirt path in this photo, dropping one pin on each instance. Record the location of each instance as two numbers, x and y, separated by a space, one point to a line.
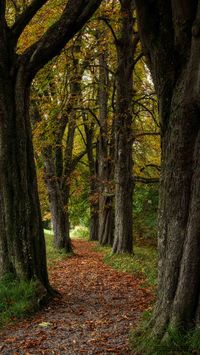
97 309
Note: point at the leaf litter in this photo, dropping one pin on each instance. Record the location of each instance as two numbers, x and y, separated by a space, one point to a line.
94 315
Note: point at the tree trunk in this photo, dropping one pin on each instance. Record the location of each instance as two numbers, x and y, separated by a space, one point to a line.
22 233
173 56
5 265
106 223
123 240
179 210
59 214
94 193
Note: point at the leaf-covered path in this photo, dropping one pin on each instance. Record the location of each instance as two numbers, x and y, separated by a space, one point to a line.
94 315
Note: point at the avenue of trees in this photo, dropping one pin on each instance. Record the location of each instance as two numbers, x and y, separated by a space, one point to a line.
81 84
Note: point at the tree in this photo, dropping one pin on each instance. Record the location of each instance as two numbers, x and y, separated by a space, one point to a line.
93 169
99 118
23 234
59 101
106 215
126 46
170 37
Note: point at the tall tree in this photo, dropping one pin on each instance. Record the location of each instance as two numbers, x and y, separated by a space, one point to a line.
106 216
18 185
93 169
170 34
126 46
56 143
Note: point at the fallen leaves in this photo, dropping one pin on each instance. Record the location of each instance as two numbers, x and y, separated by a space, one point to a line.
44 324
97 309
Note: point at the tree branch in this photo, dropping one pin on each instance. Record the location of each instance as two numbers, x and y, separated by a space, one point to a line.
144 180
116 40
136 60
23 20
75 15
142 134
151 166
76 160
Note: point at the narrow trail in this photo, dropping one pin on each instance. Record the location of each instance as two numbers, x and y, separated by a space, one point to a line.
94 315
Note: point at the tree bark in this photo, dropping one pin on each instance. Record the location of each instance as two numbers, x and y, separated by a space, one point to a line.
123 239
22 232
59 214
172 53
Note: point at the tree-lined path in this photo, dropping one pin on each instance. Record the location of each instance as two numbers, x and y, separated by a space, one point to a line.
97 308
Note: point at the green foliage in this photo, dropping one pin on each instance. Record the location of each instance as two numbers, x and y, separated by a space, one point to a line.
143 262
145 211
80 212
79 208
17 299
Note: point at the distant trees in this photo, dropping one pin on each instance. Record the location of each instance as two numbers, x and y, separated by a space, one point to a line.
108 91
54 134
171 40
22 235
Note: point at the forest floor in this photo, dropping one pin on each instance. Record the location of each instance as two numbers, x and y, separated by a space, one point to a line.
94 314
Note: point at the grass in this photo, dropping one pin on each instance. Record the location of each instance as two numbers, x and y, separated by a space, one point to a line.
176 342
79 232
53 254
17 299
143 262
